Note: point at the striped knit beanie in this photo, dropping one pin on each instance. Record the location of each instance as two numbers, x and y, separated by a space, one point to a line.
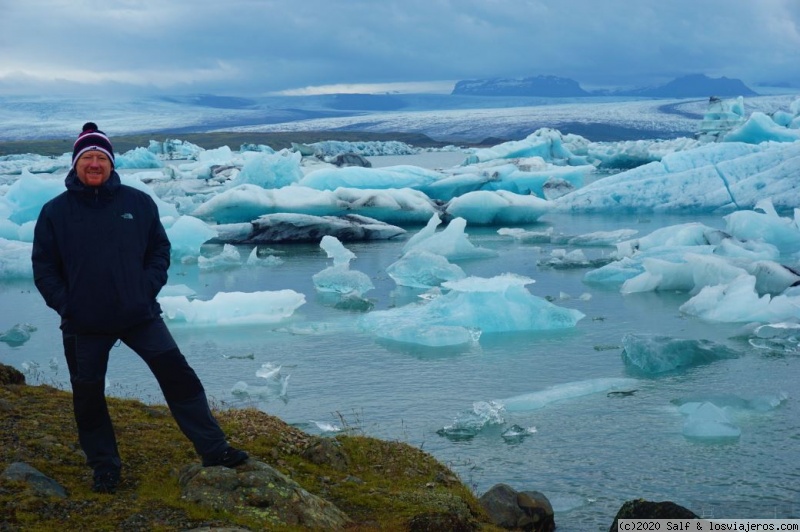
92 138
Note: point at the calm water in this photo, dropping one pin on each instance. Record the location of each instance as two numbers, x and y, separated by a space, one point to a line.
588 454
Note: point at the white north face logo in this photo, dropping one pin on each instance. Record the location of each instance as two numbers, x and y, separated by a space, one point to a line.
127 216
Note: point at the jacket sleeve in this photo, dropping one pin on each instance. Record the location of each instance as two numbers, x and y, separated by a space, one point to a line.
48 272
157 256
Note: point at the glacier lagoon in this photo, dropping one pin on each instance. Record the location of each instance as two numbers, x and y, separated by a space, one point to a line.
642 397
585 447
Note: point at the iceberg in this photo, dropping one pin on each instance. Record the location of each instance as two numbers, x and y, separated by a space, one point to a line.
497 208
232 308
273 228
489 305
452 242
247 202
339 278
419 268
707 422
651 354
716 177
535 400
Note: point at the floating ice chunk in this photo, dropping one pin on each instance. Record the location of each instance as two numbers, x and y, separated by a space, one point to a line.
423 234
628 267
760 403
653 354
673 236
689 275
339 278
137 158
431 336
18 334
738 301
751 250
497 304
228 259
335 250
484 207
246 356
423 269
706 421
562 392
602 238
788 330
771 277
400 176
25 197
326 427
367 148
766 226
233 308
276 384
546 143
759 128
269 170
561 259
8 229
243 390
468 424
268 371
187 234
175 149
515 433
165 209
718 176
452 243
535 237
614 273
247 202
177 290
765 403
254 260
15 259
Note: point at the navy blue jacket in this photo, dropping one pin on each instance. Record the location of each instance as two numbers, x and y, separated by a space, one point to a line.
100 256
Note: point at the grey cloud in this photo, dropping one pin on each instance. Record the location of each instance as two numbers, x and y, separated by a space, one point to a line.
281 44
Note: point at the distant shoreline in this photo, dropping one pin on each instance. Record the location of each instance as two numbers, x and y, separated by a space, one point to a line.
234 140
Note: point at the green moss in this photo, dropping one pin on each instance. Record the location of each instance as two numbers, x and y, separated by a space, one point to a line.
384 486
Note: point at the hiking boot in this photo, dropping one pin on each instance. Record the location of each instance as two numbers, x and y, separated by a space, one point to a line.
106 482
230 457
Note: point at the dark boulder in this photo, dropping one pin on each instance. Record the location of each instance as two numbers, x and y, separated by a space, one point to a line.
514 510
642 509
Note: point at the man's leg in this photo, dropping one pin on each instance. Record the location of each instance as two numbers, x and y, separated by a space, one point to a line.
182 390
87 360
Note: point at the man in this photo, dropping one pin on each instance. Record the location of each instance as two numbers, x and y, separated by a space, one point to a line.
100 256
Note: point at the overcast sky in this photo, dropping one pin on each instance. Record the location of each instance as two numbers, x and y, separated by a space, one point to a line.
254 47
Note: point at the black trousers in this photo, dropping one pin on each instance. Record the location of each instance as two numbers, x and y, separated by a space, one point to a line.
87 359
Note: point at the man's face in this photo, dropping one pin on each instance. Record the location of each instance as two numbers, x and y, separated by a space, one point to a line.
93 168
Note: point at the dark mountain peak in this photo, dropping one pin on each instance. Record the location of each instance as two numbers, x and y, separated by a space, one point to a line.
695 85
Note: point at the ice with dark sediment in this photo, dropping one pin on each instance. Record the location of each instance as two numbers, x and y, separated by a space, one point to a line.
651 354
285 227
